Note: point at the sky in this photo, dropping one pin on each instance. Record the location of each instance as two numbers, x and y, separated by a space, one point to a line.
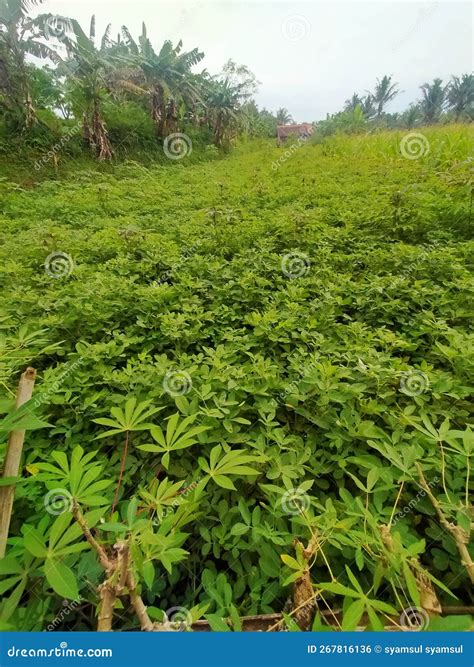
309 57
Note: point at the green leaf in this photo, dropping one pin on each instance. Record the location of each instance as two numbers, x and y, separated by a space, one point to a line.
352 615
411 584
217 623
34 542
290 561
239 529
9 481
61 579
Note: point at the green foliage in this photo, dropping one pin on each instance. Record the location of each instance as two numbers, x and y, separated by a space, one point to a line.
312 401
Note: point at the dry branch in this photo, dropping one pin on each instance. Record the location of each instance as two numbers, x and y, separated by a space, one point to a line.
457 533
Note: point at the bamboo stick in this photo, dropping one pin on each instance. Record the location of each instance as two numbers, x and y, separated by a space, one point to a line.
13 459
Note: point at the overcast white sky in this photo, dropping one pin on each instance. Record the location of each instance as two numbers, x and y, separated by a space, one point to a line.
308 56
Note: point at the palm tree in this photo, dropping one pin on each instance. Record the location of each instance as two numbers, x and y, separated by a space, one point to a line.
384 92
433 100
19 37
411 116
87 69
353 102
283 117
165 77
460 95
368 107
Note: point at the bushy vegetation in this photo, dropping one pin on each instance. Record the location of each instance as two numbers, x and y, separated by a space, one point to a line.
253 385
126 97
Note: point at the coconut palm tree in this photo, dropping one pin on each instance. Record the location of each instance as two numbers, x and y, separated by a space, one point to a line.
433 100
385 91
368 107
165 78
353 102
411 116
20 36
283 117
460 95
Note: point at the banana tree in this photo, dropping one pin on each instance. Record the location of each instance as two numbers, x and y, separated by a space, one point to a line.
86 69
20 36
164 78
223 101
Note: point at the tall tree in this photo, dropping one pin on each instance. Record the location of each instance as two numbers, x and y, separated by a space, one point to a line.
385 91
166 77
283 116
20 35
411 116
87 69
433 99
368 107
223 101
353 102
460 95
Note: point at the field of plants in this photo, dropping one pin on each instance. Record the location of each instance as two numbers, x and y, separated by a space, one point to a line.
252 391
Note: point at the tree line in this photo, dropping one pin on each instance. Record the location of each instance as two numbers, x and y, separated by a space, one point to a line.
439 102
124 92
93 78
